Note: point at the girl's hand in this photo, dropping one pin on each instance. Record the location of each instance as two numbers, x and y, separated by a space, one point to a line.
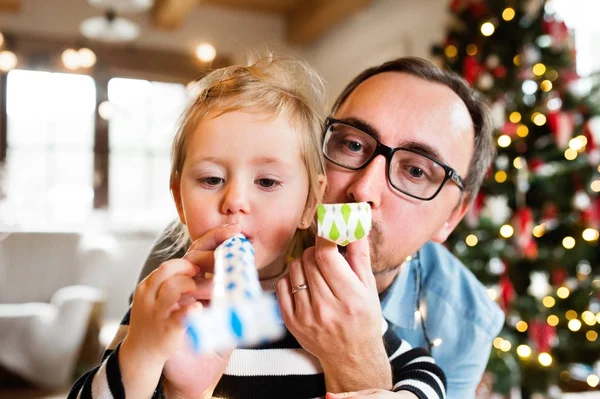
188 374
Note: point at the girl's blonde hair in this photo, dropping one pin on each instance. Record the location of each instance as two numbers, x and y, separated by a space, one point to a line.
270 85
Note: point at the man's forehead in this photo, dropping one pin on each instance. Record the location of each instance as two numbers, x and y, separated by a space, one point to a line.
405 108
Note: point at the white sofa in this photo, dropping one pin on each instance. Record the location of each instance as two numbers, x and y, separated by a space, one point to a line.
49 285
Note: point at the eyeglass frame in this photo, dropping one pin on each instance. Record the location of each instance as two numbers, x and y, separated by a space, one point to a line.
388 153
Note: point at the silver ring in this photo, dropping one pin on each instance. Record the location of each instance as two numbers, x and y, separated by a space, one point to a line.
299 288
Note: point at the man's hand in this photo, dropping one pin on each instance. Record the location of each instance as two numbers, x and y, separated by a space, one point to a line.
373 394
338 318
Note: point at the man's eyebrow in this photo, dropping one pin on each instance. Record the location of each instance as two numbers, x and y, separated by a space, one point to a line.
424 149
420 147
362 125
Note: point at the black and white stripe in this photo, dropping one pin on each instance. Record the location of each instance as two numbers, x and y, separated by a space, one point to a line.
276 370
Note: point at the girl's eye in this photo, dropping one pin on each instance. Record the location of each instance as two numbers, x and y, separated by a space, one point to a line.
266 183
212 180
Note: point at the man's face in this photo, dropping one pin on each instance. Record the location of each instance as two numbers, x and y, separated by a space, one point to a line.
405 111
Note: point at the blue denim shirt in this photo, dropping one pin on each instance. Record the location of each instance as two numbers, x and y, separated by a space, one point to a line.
454 309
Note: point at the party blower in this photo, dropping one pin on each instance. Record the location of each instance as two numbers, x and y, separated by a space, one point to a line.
240 313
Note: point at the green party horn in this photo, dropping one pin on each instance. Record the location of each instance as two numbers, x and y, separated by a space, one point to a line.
344 223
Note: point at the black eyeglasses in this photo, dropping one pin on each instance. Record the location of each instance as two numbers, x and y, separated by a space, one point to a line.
408 171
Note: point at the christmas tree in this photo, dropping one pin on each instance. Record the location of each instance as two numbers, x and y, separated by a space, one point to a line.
531 235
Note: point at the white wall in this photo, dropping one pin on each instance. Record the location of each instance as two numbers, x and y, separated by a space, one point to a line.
387 29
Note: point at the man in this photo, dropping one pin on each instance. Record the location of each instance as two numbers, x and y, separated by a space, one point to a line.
413 142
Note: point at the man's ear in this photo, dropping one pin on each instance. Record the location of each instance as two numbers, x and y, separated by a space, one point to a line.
175 190
311 205
455 217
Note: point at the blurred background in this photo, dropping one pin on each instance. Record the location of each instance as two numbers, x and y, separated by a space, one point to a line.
90 93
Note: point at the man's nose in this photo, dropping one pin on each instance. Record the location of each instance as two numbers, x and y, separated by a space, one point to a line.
369 182
236 198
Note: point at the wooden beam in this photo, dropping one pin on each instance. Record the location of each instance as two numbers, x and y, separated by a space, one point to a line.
170 14
10 5
313 18
125 60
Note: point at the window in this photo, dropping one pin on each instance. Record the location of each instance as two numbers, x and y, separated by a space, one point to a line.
49 161
48 179
143 121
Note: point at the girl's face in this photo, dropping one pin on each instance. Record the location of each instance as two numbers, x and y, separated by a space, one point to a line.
246 168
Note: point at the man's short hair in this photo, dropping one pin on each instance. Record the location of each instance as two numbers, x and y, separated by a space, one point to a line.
480 115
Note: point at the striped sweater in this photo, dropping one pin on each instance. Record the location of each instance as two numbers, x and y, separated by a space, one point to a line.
275 370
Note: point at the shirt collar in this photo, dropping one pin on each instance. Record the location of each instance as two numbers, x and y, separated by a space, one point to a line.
399 301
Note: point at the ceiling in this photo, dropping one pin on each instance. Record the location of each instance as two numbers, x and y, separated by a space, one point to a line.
306 20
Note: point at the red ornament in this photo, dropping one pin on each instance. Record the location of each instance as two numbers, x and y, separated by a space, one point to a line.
499 72
507 291
523 221
542 335
558 277
591 216
561 125
558 31
535 164
471 70
510 129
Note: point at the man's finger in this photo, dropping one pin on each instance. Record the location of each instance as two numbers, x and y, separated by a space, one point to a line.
358 255
334 268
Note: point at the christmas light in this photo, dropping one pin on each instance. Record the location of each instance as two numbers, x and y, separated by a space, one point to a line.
471 49
437 342
571 314
507 231
565 375
539 69
508 14
8 60
522 326
588 318
563 292
546 85
554 104
570 154
524 351
538 119
590 234
598 318
522 131
451 51
539 231
518 163
497 342
552 320
568 242
576 143
471 240
517 60
552 75
548 302
544 41
501 176
515 117
487 29
1 39
545 359
591 336
504 141
574 325
505 346
595 186
583 140
529 87
593 380
492 293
